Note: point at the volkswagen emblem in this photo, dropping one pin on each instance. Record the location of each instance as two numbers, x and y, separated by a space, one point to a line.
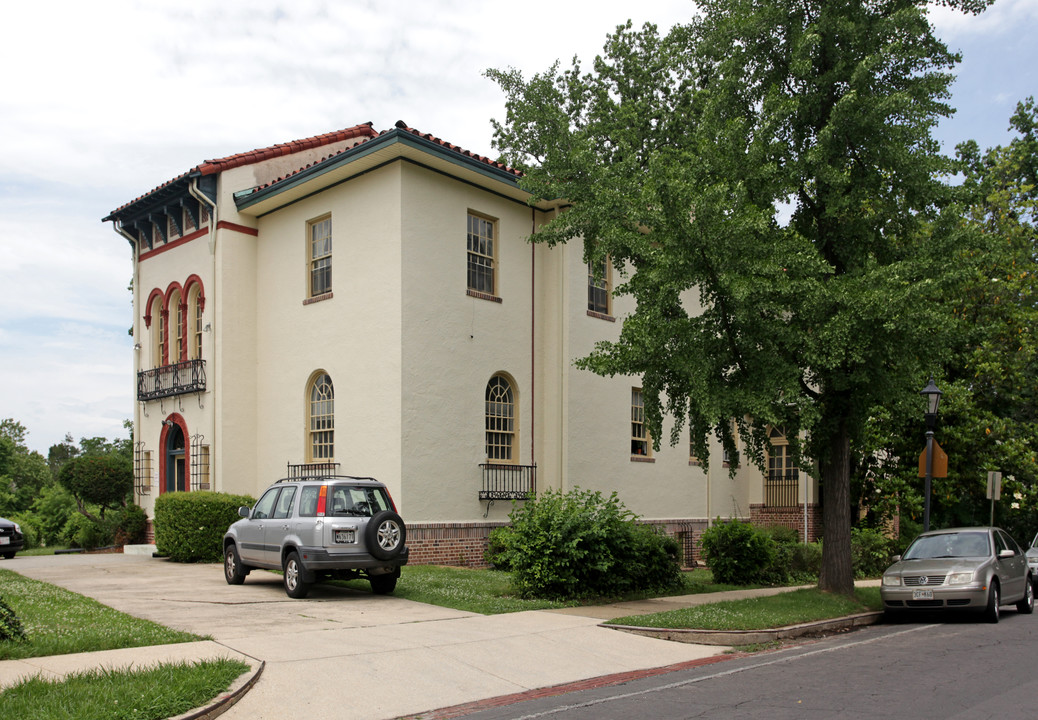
923 580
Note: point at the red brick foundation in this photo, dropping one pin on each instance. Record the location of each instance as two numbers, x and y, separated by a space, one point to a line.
791 517
465 544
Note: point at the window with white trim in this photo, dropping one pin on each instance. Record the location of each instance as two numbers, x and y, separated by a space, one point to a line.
640 445
321 419
319 234
501 424
481 258
599 288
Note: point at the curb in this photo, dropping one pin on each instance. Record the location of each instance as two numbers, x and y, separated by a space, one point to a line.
222 703
751 637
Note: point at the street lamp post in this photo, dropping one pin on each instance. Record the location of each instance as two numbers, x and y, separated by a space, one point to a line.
933 401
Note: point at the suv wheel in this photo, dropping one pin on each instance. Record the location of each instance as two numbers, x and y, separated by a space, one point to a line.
233 571
385 535
294 585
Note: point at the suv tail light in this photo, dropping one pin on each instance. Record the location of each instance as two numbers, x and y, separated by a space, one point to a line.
322 500
392 504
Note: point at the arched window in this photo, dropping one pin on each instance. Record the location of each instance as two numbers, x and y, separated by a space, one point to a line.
321 415
176 327
501 420
194 318
158 331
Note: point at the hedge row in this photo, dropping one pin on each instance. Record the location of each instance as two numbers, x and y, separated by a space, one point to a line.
189 526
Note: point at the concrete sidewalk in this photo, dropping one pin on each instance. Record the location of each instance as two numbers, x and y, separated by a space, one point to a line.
348 654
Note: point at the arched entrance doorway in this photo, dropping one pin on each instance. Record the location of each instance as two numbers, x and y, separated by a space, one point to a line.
176 464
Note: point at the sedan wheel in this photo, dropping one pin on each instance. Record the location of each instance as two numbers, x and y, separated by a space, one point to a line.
1026 604
994 598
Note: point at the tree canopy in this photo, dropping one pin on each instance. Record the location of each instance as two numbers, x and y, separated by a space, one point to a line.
766 177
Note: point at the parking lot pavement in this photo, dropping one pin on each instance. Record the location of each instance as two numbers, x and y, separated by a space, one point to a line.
349 654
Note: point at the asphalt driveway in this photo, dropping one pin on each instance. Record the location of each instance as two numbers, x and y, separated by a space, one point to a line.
349 654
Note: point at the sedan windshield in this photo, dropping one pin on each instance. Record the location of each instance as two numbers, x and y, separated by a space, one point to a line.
949 545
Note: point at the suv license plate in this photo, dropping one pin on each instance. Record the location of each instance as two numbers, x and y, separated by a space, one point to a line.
5 541
922 594
347 535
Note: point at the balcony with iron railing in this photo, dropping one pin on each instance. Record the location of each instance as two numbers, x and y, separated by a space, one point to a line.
782 489
508 482
176 379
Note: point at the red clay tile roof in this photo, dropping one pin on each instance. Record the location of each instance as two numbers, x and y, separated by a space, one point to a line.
400 125
253 156
210 167
365 132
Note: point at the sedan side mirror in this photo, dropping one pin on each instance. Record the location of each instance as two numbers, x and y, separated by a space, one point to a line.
897 558
244 511
1006 553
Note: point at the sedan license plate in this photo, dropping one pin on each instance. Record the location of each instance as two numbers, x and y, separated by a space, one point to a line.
922 594
345 535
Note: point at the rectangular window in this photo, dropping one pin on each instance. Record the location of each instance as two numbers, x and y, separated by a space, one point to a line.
598 289
320 232
480 254
639 433
201 469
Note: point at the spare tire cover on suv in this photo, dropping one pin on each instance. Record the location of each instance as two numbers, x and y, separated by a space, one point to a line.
385 535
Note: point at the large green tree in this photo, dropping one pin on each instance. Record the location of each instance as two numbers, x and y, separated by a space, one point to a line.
678 153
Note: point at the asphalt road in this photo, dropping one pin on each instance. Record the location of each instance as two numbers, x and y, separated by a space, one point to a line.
934 668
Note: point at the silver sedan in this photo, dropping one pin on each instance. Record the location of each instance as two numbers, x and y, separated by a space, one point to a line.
974 568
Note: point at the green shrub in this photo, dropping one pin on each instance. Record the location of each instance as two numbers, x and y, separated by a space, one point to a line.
10 626
578 544
30 525
805 562
87 533
102 480
871 552
739 553
131 525
499 549
54 506
189 526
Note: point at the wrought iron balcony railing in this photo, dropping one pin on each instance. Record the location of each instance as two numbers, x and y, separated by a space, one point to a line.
177 379
782 489
508 482
302 471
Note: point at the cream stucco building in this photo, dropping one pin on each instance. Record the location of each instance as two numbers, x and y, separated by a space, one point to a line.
371 299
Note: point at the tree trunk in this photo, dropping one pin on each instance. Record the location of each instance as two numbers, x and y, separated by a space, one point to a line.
837 574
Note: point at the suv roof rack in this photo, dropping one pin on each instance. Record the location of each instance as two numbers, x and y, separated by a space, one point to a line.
324 476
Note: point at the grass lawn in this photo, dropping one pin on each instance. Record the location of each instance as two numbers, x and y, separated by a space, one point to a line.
489 592
146 694
58 621
787 608
42 550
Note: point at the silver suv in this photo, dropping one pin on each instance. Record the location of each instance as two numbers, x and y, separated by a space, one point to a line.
332 526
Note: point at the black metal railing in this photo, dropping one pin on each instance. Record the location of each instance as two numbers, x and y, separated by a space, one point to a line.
177 379
302 471
508 482
782 489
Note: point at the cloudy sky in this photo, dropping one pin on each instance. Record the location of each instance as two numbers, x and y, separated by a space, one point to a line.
102 101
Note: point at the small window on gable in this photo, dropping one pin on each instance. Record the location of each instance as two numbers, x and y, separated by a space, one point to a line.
599 288
320 259
640 445
481 259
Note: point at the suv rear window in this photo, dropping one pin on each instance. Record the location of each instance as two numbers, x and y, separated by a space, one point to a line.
357 501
